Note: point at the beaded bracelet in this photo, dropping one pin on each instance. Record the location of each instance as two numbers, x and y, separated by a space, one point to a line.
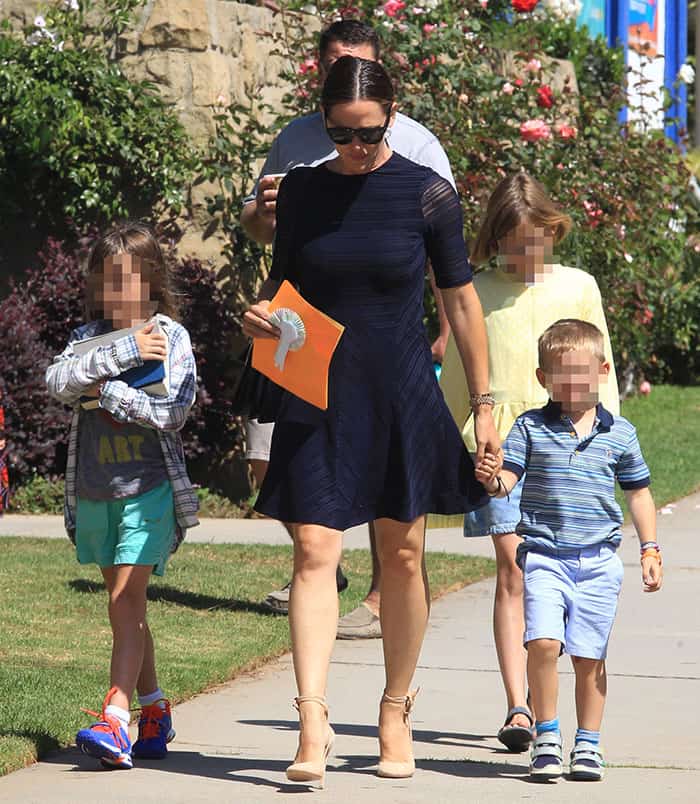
481 399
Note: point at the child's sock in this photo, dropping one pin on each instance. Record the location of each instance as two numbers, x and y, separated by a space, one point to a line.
122 715
547 725
587 736
152 697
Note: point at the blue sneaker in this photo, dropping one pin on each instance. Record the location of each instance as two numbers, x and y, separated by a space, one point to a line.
546 757
106 740
155 731
586 762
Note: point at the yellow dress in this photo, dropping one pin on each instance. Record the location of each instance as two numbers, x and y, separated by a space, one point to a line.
516 315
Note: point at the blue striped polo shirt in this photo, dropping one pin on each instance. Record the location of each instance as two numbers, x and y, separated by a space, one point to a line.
568 497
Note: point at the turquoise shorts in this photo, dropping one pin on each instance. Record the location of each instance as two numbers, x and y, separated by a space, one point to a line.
135 530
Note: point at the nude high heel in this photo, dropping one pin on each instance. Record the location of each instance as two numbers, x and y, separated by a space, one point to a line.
314 770
399 770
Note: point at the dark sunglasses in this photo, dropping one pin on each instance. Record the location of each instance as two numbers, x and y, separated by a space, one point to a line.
370 135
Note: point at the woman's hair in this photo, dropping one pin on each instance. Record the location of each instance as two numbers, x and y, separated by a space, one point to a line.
568 335
351 79
139 240
517 199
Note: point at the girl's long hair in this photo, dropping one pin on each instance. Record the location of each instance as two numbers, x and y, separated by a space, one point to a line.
139 240
517 199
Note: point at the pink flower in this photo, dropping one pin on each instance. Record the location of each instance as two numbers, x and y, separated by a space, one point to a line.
645 387
533 130
560 166
428 28
593 212
507 88
518 82
392 7
567 132
533 66
309 65
484 3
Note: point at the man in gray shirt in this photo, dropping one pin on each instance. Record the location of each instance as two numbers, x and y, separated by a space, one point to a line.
304 142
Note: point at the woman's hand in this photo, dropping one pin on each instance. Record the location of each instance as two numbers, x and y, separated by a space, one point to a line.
487 438
486 470
256 322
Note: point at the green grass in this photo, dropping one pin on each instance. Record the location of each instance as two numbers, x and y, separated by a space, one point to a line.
55 639
668 426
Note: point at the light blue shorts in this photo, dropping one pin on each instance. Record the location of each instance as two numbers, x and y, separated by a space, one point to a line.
500 515
135 530
572 597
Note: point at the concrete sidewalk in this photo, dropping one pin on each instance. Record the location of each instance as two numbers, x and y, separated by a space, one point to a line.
233 744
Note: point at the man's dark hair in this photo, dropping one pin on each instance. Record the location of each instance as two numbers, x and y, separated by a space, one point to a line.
349 32
351 79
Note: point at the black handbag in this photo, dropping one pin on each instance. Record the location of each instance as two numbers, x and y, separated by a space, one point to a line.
255 396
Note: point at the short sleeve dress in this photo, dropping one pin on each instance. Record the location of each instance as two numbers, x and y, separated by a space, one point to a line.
356 247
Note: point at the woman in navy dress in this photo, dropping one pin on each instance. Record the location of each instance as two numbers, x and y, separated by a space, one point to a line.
354 235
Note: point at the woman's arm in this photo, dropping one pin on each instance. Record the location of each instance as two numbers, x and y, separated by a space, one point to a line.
466 318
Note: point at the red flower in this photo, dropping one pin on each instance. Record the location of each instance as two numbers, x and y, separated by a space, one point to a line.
524 6
545 97
518 82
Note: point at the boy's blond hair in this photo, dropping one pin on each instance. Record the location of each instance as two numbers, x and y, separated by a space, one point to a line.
568 335
517 199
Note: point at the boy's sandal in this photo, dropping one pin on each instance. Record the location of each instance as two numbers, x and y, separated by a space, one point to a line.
546 757
586 762
517 738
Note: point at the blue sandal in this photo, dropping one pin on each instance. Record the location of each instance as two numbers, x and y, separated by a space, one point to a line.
517 738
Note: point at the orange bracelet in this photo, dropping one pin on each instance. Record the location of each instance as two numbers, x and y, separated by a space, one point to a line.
653 553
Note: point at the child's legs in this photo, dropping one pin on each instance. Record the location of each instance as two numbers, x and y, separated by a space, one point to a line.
547 583
127 586
542 676
148 678
591 690
509 621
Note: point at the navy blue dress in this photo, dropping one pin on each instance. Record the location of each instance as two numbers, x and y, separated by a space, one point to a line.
356 248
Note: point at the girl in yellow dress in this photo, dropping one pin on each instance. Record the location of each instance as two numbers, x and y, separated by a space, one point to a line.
521 297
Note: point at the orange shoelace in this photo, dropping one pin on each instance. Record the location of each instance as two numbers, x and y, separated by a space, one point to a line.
109 723
150 722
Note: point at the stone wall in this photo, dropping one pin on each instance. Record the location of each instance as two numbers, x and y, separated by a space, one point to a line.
202 55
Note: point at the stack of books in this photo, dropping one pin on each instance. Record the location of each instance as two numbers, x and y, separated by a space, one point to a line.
151 377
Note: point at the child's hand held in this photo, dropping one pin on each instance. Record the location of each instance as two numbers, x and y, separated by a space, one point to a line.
151 346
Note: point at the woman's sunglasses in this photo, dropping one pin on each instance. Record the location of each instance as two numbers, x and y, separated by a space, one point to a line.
370 135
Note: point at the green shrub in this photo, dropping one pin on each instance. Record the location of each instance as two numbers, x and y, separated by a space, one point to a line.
626 187
39 496
79 142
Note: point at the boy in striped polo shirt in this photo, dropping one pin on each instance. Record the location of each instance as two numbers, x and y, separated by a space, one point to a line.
571 451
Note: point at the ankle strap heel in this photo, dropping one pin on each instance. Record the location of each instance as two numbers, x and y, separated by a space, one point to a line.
399 770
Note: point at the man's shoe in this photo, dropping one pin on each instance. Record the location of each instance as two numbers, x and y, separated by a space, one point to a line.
106 740
278 602
360 623
155 731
